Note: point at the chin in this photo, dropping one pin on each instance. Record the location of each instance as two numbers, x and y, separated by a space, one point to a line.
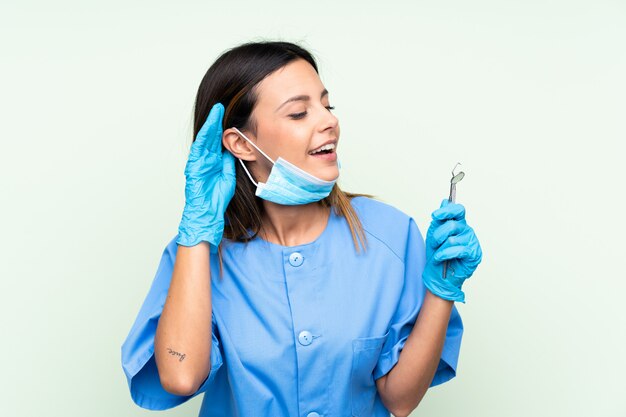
329 174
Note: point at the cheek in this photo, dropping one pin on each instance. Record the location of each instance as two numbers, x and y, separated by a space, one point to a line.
293 141
277 139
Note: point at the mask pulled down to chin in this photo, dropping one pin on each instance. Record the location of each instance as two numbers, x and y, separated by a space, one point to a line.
287 184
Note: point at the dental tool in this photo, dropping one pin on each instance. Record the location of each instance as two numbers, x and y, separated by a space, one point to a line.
455 179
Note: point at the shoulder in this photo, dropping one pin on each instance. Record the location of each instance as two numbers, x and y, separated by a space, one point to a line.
384 222
370 210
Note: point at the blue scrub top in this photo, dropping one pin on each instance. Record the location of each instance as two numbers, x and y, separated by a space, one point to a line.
301 330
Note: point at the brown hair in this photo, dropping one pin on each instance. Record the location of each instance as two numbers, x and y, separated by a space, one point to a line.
232 81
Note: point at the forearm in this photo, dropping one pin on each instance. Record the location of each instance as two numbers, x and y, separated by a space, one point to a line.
410 378
182 345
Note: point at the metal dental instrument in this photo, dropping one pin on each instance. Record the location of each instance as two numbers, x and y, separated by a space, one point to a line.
455 178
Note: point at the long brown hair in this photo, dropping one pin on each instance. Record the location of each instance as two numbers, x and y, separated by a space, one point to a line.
232 81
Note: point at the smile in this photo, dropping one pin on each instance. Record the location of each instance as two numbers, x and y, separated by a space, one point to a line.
325 149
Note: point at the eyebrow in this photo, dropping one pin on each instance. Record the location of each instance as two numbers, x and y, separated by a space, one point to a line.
301 97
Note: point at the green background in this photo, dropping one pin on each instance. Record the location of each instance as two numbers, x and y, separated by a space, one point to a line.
530 96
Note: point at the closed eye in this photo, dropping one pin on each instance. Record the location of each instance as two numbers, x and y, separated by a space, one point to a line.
297 116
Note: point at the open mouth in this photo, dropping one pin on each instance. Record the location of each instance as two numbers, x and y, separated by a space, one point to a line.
324 150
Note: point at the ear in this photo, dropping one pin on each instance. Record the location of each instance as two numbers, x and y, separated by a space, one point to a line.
237 145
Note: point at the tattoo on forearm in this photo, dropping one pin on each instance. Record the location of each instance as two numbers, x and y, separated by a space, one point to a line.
174 353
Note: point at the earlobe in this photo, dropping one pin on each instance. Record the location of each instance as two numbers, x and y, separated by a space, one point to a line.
237 145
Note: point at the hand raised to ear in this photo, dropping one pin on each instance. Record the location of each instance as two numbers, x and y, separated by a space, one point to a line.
210 185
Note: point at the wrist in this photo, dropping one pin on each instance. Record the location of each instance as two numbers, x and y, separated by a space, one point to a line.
443 289
432 298
191 235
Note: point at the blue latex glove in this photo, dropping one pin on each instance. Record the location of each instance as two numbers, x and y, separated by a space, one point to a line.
450 238
210 185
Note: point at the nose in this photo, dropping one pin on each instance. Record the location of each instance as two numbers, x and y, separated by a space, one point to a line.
328 120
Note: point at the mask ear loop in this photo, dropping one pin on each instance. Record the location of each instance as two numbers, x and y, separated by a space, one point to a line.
248 172
257 148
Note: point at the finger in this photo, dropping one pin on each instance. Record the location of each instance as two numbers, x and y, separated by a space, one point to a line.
479 252
450 211
210 135
434 223
449 228
456 240
452 252
228 164
467 239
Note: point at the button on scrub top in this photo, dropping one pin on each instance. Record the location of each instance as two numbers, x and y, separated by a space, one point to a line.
302 330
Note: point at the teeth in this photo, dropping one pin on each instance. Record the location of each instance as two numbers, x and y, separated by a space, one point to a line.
328 147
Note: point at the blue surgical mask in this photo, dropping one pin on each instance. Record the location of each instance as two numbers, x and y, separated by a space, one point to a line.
287 184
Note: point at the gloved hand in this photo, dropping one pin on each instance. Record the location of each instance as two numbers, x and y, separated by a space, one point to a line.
450 238
210 185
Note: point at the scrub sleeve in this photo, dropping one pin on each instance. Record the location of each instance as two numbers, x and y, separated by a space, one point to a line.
406 314
138 348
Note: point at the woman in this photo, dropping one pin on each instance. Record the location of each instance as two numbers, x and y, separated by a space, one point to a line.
282 295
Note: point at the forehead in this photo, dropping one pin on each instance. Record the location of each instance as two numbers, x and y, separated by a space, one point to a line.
297 77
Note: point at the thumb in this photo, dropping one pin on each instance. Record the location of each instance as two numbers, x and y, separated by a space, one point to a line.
228 164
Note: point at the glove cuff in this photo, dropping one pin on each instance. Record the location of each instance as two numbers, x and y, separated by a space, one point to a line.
443 289
211 234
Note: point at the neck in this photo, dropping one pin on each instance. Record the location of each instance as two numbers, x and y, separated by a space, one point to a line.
293 225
